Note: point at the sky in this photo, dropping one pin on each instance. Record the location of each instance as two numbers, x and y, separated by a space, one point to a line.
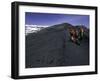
48 19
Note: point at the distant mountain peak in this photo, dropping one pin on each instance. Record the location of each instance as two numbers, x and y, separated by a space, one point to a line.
63 24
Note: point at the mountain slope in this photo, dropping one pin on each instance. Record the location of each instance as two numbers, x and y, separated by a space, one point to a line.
52 47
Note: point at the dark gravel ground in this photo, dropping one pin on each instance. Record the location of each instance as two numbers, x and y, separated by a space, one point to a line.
51 47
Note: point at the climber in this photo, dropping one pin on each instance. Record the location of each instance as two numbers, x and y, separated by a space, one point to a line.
74 35
81 34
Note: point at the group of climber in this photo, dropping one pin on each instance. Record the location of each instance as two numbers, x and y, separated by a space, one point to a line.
76 35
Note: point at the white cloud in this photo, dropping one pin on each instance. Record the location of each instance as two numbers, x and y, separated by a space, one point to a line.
33 28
